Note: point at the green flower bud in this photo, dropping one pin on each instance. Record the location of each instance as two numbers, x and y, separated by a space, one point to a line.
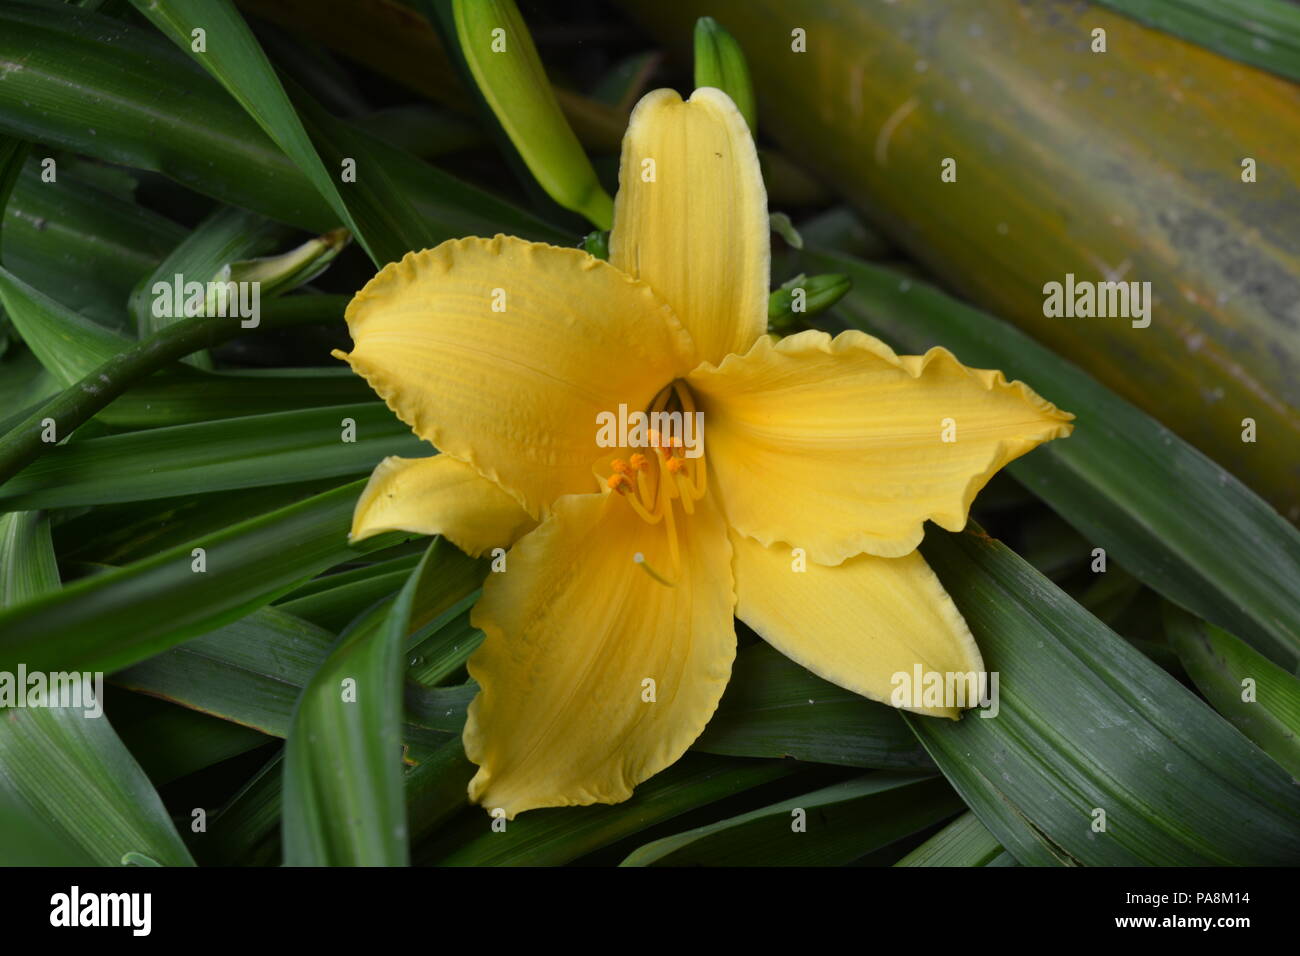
720 63
803 297
499 52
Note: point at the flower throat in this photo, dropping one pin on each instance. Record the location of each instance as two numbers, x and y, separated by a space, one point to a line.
666 474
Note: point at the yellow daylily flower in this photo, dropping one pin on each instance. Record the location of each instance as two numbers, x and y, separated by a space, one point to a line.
610 634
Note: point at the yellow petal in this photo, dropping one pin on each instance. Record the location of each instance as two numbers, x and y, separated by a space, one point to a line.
697 231
501 353
439 495
838 446
576 632
859 624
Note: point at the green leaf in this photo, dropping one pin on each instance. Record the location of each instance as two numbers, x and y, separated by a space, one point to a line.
182 396
31 841
440 709
451 640
553 836
1215 547
129 614
63 764
828 827
86 245
1086 723
89 83
171 742
343 788
409 204
1263 33
23 380
82 781
236 60
68 345
130 362
422 130
964 842
29 569
334 608
13 156
438 788
372 201
116 535
251 671
249 452
245 832
1254 694
775 708
330 582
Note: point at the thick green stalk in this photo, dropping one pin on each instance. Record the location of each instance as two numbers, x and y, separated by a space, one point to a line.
75 405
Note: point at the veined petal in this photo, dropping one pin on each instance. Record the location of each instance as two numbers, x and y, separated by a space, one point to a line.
859 624
575 633
502 352
690 217
839 446
439 495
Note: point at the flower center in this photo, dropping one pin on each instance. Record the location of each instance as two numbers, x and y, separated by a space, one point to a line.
670 471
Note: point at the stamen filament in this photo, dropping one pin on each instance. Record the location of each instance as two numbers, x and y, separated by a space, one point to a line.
643 491
674 553
646 516
685 492
644 565
700 480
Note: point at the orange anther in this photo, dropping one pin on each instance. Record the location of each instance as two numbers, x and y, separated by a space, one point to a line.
620 467
639 462
676 465
619 483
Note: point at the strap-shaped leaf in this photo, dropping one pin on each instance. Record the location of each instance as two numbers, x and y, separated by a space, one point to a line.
248 452
1095 754
828 827
343 796
126 615
964 842
89 83
559 835
773 707
1263 33
235 59
64 763
1254 694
